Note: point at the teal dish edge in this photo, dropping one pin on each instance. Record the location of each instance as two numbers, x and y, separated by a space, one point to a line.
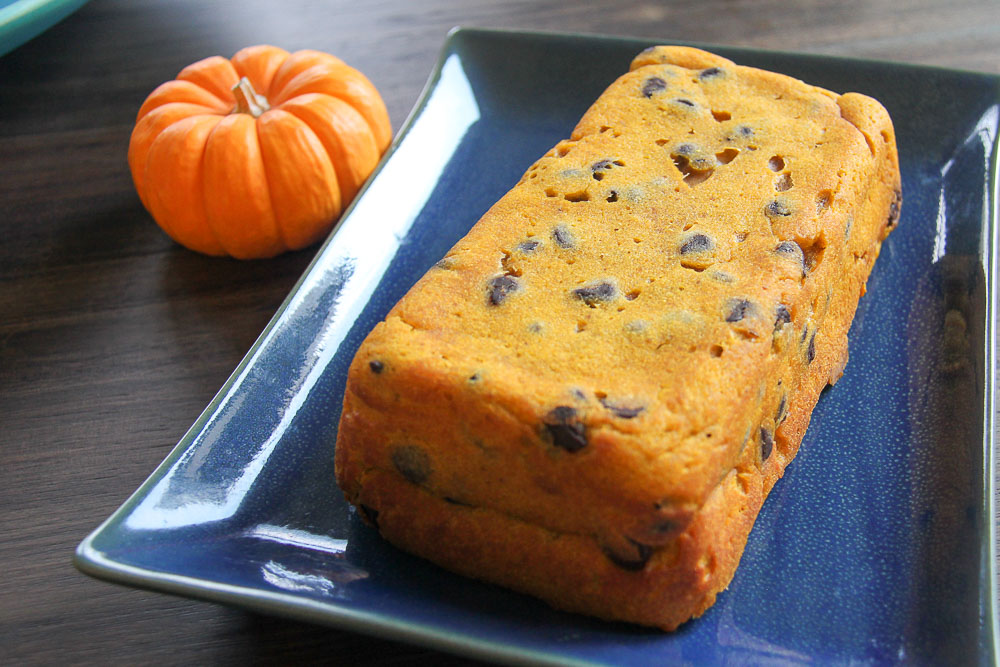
23 20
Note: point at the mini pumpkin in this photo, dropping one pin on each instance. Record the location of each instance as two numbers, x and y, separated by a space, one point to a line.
259 154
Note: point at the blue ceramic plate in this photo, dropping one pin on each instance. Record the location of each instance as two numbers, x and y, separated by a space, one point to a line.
875 547
21 20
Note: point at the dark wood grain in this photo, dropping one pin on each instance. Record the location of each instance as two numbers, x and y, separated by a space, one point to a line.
113 339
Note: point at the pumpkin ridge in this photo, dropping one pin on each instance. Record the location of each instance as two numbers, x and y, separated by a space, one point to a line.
259 64
146 131
215 74
210 217
294 65
162 199
347 84
352 162
311 184
267 179
336 167
177 91
201 178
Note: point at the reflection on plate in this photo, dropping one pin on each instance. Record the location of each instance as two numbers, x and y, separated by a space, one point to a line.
21 20
877 544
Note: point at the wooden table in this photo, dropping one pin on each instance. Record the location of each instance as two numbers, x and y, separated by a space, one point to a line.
113 339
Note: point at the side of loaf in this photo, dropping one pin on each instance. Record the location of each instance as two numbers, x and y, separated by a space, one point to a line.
589 397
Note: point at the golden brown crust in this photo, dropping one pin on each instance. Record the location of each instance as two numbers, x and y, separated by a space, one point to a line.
590 396
570 571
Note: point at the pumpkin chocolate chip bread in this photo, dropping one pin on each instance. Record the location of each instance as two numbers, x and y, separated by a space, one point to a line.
590 396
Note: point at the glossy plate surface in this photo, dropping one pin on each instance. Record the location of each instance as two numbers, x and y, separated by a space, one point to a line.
21 20
875 547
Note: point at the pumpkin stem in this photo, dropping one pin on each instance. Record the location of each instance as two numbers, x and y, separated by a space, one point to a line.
247 99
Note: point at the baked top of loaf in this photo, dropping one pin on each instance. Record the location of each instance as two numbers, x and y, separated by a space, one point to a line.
633 320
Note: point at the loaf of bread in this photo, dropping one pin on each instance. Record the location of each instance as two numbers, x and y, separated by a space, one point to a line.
589 397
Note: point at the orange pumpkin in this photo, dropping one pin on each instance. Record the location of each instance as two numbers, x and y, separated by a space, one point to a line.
257 155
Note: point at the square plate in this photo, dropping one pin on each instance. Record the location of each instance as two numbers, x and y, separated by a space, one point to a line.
877 546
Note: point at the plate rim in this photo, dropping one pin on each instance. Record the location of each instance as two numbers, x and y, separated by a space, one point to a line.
89 560
731 48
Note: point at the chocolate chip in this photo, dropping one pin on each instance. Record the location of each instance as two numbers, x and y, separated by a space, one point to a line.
412 463
563 237
596 293
782 316
689 158
500 287
598 168
376 366
664 527
779 416
633 562
369 514
612 197
566 430
722 277
528 246
745 131
652 85
790 249
702 163
636 326
778 207
623 411
709 73
894 208
697 243
811 350
684 102
737 309
766 443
